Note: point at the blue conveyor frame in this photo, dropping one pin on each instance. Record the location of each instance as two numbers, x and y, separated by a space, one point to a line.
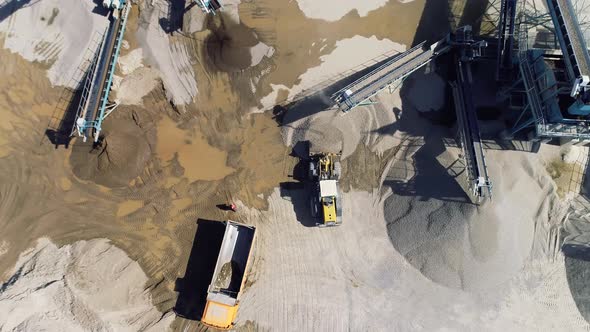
94 106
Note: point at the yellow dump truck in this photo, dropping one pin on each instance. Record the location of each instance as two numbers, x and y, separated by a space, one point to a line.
326 200
229 276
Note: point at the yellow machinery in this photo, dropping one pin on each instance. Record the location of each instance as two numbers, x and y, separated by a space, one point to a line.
223 295
326 201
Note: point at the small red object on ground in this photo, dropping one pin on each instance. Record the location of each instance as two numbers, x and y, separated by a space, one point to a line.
233 207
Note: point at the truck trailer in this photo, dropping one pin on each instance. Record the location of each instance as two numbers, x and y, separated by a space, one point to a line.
229 276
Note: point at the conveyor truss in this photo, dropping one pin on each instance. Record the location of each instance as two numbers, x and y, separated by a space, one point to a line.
94 104
396 69
542 90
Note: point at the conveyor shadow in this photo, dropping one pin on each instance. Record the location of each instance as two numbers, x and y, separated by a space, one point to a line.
61 123
172 20
100 8
9 7
427 196
192 288
577 263
430 180
578 272
473 14
306 104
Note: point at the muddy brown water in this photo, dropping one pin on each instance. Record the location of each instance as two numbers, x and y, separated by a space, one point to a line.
199 160
300 41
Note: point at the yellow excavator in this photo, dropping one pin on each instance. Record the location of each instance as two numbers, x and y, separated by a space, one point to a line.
326 200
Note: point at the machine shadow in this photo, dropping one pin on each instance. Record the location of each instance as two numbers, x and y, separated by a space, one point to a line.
299 195
577 262
299 191
100 9
417 179
173 19
436 128
435 132
60 128
9 7
306 105
578 271
192 288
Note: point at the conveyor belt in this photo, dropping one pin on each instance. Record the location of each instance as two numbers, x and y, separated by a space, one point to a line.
469 132
98 91
395 69
209 6
571 39
103 68
506 37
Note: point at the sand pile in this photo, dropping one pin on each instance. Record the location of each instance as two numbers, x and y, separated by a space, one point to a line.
430 82
87 286
121 156
136 80
372 284
132 88
329 131
432 222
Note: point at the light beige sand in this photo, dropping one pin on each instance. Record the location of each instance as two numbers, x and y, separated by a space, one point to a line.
131 89
350 278
131 61
369 273
331 10
170 57
86 286
61 33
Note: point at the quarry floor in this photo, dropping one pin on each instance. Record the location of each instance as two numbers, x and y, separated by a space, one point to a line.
197 127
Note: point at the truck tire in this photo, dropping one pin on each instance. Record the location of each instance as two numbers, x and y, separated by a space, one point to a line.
312 171
314 207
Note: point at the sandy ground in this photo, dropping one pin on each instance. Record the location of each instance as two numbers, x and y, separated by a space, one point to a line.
413 252
372 126
335 65
334 10
61 34
350 278
168 56
496 263
86 286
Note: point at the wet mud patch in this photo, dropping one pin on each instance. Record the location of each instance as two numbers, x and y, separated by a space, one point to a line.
229 44
199 160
